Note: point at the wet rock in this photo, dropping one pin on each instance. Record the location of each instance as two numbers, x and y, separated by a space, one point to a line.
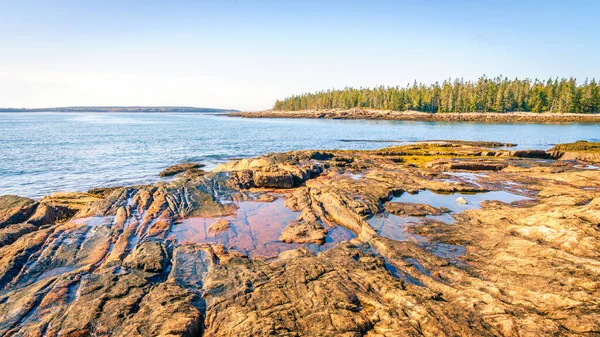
192 173
178 168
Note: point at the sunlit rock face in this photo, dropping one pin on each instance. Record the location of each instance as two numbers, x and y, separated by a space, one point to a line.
306 243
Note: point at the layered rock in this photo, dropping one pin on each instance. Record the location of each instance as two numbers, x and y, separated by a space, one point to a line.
108 263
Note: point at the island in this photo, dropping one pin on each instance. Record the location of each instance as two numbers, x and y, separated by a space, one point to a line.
439 238
496 99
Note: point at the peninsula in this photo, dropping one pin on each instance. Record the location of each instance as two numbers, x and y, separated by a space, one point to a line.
485 100
375 114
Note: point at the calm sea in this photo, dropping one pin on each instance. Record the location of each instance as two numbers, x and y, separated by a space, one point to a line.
41 153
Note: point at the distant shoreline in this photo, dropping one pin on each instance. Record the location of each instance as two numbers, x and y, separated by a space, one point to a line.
371 114
114 109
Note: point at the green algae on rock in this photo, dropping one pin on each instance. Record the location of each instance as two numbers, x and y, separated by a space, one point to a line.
580 150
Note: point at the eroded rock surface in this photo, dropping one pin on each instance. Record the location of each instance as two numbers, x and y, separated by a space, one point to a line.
341 253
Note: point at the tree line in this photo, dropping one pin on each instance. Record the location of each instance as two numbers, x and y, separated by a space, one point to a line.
497 94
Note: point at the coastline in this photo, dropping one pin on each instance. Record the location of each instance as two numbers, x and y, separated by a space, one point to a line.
373 114
459 230
297 169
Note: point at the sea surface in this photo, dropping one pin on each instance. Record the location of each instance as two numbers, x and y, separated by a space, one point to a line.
42 153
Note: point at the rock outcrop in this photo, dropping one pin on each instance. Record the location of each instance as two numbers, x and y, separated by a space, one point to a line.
579 151
343 255
188 168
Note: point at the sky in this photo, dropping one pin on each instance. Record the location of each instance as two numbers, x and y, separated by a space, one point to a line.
246 54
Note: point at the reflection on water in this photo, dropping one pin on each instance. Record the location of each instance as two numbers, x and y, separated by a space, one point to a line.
449 200
55 272
334 236
588 167
467 177
395 227
254 231
94 221
354 176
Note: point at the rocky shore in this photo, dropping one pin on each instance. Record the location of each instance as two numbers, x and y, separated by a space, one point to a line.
509 117
428 239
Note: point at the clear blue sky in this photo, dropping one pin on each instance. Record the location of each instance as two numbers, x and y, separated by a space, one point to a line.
245 54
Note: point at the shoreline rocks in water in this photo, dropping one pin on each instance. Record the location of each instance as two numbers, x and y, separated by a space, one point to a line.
580 150
172 170
342 256
508 117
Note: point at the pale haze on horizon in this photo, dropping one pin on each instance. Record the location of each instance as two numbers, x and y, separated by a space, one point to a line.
246 54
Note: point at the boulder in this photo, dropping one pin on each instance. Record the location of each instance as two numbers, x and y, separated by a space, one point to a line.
178 168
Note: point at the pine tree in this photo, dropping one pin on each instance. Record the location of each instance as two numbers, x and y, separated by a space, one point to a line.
485 95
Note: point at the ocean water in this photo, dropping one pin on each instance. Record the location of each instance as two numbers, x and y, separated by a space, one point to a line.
42 153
